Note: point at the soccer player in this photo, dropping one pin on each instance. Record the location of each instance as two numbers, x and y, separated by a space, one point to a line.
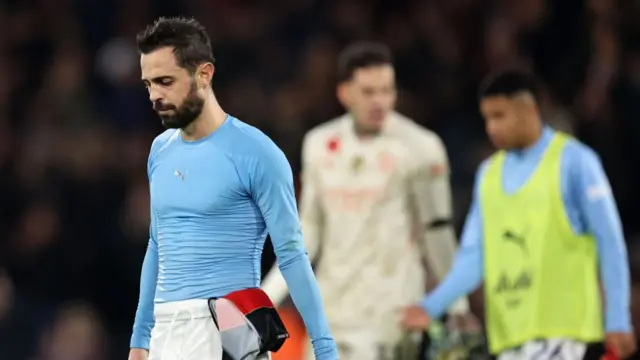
375 202
217 187
542 223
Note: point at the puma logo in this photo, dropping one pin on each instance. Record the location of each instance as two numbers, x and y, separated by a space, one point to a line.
179 174
517 240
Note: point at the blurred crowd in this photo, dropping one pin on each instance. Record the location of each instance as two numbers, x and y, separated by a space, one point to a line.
76 123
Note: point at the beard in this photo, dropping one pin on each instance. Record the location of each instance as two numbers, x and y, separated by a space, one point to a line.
183 115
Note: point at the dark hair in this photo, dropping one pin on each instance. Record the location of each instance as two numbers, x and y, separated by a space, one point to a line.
508 83
188 38
362 55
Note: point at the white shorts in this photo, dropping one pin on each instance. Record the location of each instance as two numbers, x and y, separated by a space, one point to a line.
551 349
184 330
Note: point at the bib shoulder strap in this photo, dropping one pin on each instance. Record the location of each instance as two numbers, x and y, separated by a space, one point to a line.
557 144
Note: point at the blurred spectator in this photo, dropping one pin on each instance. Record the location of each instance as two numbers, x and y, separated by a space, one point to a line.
76 334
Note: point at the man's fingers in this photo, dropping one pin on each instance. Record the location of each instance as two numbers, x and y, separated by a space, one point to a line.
623 351
622 345
408 321
414 318
628 348
411 325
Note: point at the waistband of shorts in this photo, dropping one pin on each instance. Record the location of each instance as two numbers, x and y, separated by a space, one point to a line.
181 310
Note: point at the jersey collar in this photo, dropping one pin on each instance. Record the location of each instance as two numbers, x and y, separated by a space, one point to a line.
539 146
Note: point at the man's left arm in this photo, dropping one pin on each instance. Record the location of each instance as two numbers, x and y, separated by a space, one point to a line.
600 213
273 192
431 193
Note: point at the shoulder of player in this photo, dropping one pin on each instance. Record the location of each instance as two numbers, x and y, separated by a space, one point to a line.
418 140
323 132
163 140
414 133
576 153
480 171
482 168
249 142
577 149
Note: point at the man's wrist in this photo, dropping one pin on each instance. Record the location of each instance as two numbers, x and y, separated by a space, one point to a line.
618 321
325 348
139 342
428 306
619 328
328 356
138 354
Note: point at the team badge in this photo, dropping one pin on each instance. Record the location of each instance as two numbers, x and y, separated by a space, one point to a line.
356 163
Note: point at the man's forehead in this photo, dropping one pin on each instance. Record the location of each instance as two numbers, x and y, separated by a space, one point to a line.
161 60
496 101
373 73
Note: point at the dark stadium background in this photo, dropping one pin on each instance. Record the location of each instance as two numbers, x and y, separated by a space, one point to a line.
76 124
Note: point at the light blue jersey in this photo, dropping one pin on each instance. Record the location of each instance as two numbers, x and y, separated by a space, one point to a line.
591 208
213 201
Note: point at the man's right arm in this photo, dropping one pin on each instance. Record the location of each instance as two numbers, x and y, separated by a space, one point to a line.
311 221
467 271
144 319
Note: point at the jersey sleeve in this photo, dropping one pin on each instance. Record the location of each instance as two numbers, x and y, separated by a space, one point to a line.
430 174
431 193
311 218
271 184
592 192
144 319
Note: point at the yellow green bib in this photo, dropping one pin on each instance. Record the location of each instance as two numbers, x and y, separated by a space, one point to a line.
541 279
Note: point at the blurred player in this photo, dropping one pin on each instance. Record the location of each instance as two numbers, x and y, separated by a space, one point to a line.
217 187
375 203
542 222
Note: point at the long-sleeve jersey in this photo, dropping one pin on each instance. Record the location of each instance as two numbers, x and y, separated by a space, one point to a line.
590 207
213 201
372 210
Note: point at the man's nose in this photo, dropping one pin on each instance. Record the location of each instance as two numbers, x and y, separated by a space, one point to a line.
154 94
379 99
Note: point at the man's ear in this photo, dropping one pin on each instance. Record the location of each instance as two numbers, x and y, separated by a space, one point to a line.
342 93
204 75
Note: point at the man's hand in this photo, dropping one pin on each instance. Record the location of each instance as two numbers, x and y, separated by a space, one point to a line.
622 344
415 317
138 354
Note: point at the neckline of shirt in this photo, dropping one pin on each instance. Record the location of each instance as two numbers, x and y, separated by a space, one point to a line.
225 123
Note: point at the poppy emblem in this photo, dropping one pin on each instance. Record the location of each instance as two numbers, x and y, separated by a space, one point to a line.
333 144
